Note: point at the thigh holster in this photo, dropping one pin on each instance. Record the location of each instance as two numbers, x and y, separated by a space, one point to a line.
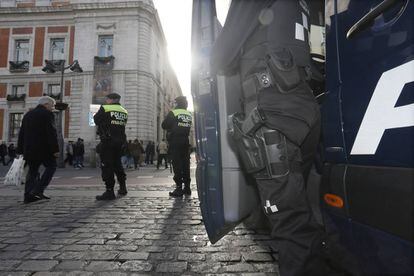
263 151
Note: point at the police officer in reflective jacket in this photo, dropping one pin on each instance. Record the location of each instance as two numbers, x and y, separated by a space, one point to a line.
266 43
178 124
111 119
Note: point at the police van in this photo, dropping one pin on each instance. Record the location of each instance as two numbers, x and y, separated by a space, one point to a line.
364 178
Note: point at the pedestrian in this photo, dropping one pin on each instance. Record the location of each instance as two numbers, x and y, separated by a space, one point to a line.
111 119
149 153
265 44
162 150
69 153
39 145
3 153
178 124
142 155
136 152
128 159
11 152
78 152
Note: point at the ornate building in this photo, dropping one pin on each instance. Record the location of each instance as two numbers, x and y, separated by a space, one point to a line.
120 46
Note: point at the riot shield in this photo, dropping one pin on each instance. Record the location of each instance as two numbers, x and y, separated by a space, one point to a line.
225 196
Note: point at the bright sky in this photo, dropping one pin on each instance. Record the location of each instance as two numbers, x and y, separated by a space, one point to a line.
176 23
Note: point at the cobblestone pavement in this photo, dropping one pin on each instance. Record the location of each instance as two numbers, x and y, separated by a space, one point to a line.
144 233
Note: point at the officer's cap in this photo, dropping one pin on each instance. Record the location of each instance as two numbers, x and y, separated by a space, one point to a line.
113 96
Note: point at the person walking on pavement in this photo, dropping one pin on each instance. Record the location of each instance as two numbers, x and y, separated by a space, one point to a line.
3 153
111 119
39 145
162 150
11 152
149 153
178 124
136 152
78 152
69 153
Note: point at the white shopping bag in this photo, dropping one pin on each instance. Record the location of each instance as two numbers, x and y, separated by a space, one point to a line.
16 172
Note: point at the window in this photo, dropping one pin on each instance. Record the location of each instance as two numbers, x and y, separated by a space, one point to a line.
57 49
53 90
105 43
14 125
21 50
17 90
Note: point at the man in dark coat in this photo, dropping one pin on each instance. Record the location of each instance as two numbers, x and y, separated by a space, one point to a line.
178 124
39 145
3 153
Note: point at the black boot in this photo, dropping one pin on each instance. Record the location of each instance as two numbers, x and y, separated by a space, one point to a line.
187 190
122 189
107 195
178 192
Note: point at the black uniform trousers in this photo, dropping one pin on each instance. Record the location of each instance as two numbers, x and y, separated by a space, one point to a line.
110 153
180 156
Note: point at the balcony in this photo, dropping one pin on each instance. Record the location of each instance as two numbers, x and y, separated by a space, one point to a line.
19 66
16 98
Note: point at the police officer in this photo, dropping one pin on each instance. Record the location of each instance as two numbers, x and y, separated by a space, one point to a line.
178 123
266 42
111 119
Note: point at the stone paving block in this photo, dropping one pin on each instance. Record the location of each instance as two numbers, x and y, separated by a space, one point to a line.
18 247
257 257
171 267
96 266
63 241
70 265
100 255
37 265
74 247
205 267
136 266
15 240
226 257
13 255
162 256
178 249
66 273
191 257
151 249
268 268
13 273
239 267
70 255
42 255
91 241
133 256
8 264
48 247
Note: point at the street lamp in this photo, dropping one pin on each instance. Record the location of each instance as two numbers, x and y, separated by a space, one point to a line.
51 67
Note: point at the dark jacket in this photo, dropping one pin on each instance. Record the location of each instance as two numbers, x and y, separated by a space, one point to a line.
3 150
111 120
178 124
78 149
37 136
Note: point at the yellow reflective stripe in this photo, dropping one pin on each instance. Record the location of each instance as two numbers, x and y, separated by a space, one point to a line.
114 107
181 111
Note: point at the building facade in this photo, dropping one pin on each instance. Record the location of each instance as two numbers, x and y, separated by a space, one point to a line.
120 46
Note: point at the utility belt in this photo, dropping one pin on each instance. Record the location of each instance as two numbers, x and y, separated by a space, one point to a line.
278 69
263 151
